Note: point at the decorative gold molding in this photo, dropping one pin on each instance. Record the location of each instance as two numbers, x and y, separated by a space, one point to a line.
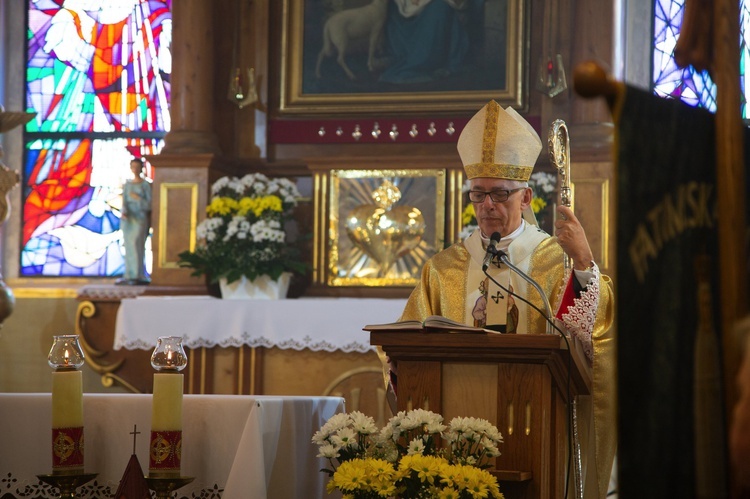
349 265
455 204
163 212
603 186
300 17
44 292
320 194
86 310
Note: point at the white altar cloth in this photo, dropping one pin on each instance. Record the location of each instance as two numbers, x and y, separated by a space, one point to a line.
316 324
247 446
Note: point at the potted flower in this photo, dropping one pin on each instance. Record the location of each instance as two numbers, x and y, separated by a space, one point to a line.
242 241
414 456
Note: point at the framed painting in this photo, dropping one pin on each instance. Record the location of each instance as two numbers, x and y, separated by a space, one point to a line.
371 56
383 225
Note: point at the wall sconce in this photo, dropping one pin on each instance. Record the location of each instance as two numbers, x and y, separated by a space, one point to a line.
237 93
550 77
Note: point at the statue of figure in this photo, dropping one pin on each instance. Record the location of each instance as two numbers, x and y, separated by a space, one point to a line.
135 224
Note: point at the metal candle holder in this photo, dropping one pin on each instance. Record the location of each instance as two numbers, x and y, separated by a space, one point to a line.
67 482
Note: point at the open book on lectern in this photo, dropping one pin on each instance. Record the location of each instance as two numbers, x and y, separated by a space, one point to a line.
432 323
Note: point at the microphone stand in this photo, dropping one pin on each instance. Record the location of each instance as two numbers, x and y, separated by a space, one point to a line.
548 310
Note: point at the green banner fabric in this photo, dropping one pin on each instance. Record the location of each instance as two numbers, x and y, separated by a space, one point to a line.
666 217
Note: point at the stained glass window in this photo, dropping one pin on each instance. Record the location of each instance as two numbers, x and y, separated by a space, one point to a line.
691 86
98 78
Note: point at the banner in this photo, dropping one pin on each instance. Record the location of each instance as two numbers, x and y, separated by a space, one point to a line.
666 225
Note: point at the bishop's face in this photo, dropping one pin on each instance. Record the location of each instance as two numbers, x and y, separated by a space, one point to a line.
505 216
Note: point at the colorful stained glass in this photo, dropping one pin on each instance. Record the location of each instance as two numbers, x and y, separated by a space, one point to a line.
693 87
98 79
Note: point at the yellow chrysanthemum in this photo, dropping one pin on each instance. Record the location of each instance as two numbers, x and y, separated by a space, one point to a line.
538 204
259 205
351 475
426 467
449 493
369 475
222 206
478 483
468 215
383 476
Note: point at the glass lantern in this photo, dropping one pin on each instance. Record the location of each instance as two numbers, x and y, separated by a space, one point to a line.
66 353
169 354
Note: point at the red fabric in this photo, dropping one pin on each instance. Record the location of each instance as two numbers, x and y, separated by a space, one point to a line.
165 451
567 300
67 448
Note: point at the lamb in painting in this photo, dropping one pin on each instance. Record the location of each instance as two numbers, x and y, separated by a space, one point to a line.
353 30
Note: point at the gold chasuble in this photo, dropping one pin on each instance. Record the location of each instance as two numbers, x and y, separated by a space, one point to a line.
449 287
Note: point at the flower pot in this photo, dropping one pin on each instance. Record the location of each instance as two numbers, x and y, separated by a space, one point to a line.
261 288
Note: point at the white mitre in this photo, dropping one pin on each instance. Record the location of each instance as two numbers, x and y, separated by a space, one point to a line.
499 143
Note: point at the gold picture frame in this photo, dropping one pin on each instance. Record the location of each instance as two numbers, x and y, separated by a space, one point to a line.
485 43
372 245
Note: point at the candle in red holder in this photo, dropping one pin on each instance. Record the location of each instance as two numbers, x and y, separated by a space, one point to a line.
66 357
165 449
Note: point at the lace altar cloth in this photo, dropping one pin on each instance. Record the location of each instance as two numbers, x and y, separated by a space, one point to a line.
317 324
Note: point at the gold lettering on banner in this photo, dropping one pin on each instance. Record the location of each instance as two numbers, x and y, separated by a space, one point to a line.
690 206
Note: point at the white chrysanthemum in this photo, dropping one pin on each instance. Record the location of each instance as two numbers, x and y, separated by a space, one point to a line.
543 182
490 448
459 424
328 451
345 437
466 231
219 184
362 424
416 446
387 432
288 191
234 226
334 424
255 182
419 417
208 228
434 427
267 230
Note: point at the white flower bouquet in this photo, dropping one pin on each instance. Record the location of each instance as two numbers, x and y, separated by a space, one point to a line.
414 456
243 233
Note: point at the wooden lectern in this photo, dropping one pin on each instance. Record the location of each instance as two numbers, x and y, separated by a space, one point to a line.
520 382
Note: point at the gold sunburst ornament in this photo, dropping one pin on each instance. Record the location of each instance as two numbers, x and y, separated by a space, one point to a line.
384 231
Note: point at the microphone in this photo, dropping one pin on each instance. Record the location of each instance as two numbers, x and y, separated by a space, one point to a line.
491 250
547 308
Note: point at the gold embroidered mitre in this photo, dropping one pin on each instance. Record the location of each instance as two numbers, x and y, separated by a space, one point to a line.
498 143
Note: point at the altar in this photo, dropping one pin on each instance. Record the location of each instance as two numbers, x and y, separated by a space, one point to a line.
316 324
234 446
302 346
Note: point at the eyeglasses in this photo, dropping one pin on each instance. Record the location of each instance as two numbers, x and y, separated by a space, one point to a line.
497 196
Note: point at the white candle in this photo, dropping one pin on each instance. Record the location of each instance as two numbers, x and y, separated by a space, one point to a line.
67 399
166 412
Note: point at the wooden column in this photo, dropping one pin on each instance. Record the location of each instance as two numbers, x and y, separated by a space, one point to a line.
181 191
192 91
